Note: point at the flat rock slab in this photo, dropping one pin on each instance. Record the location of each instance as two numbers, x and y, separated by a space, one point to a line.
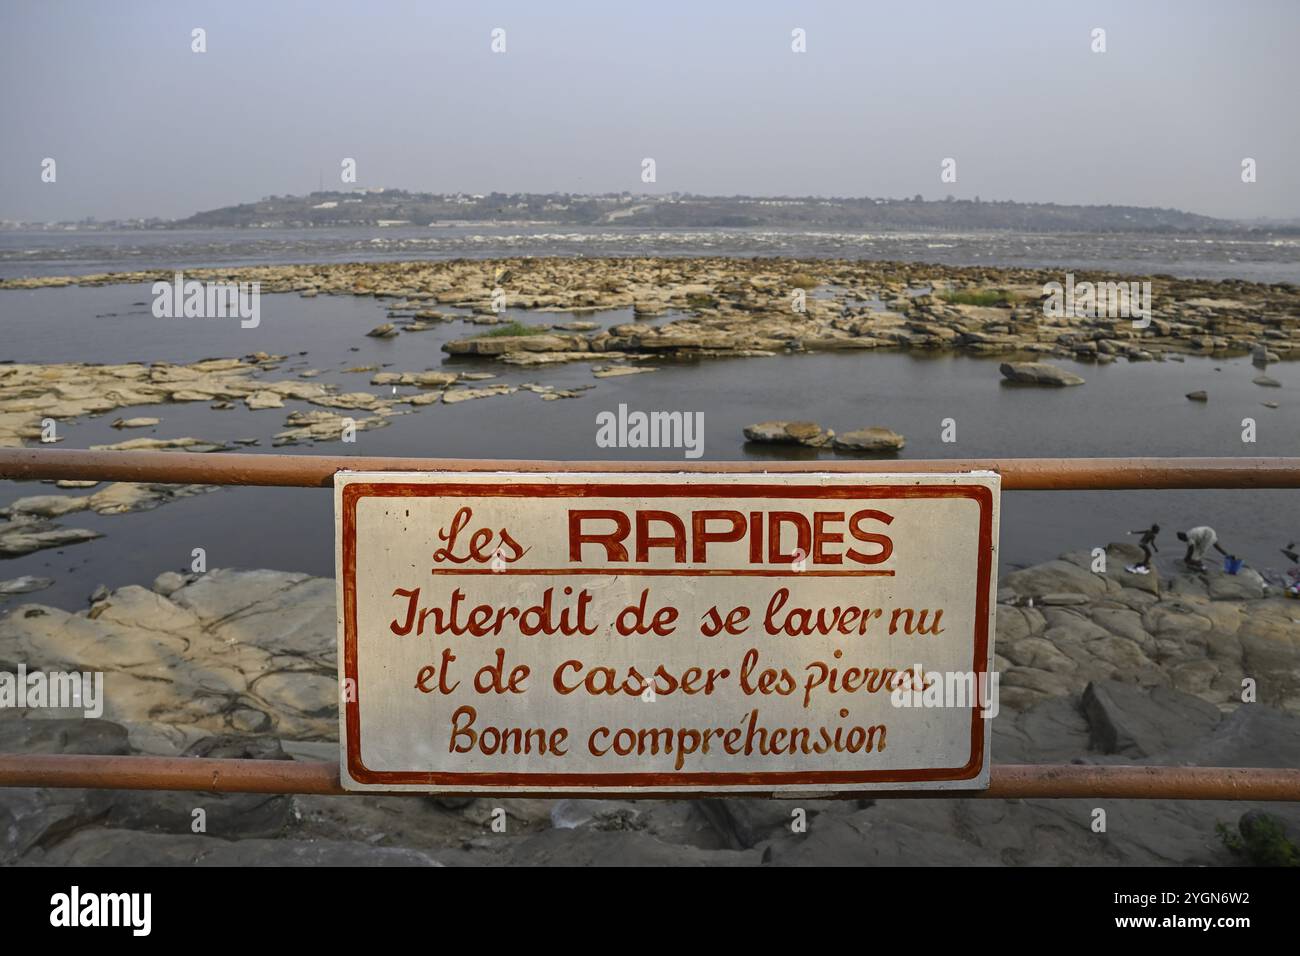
874 439
24 585
24 537
1126 720
1038 373
788 433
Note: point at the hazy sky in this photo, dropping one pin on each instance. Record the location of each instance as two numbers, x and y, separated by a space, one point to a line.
139 125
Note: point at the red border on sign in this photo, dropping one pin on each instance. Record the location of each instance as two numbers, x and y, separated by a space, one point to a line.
581 781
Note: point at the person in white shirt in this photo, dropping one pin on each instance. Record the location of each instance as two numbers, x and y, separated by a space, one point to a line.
1199 540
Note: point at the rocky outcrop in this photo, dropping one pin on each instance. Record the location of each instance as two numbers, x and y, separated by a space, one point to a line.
241 664
788 433
1201 634
231 652
505 344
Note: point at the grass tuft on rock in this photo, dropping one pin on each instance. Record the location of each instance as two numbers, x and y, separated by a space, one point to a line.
1260 839
985 297
513 329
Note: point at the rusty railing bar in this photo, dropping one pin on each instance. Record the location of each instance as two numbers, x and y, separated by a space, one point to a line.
1008 781
317 471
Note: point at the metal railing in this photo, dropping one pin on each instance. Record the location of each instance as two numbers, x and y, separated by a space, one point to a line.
317 471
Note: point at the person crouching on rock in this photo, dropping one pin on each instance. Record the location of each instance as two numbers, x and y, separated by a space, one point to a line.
1199 541
1148 545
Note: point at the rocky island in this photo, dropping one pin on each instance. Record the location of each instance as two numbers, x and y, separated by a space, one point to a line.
767 306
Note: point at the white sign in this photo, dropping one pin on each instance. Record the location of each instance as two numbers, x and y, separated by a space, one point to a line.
665 633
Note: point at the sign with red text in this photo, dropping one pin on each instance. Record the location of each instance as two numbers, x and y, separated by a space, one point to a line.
665 633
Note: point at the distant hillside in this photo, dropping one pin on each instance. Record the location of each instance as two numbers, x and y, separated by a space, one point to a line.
398 207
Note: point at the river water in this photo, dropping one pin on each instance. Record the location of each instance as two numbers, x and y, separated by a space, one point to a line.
1244 256
1124 409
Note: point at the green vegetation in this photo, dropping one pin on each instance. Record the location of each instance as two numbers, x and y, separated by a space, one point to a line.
1261 841
985 297
513 328
804 281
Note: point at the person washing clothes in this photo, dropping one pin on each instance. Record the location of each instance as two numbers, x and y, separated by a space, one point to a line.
1199 540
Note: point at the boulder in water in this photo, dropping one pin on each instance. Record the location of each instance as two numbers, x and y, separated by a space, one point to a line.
788 433
874 439
1038 373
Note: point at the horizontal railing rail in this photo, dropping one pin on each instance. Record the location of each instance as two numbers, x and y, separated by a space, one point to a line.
317 471
228 775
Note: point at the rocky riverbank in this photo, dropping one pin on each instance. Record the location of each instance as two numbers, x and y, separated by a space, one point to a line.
1096 667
